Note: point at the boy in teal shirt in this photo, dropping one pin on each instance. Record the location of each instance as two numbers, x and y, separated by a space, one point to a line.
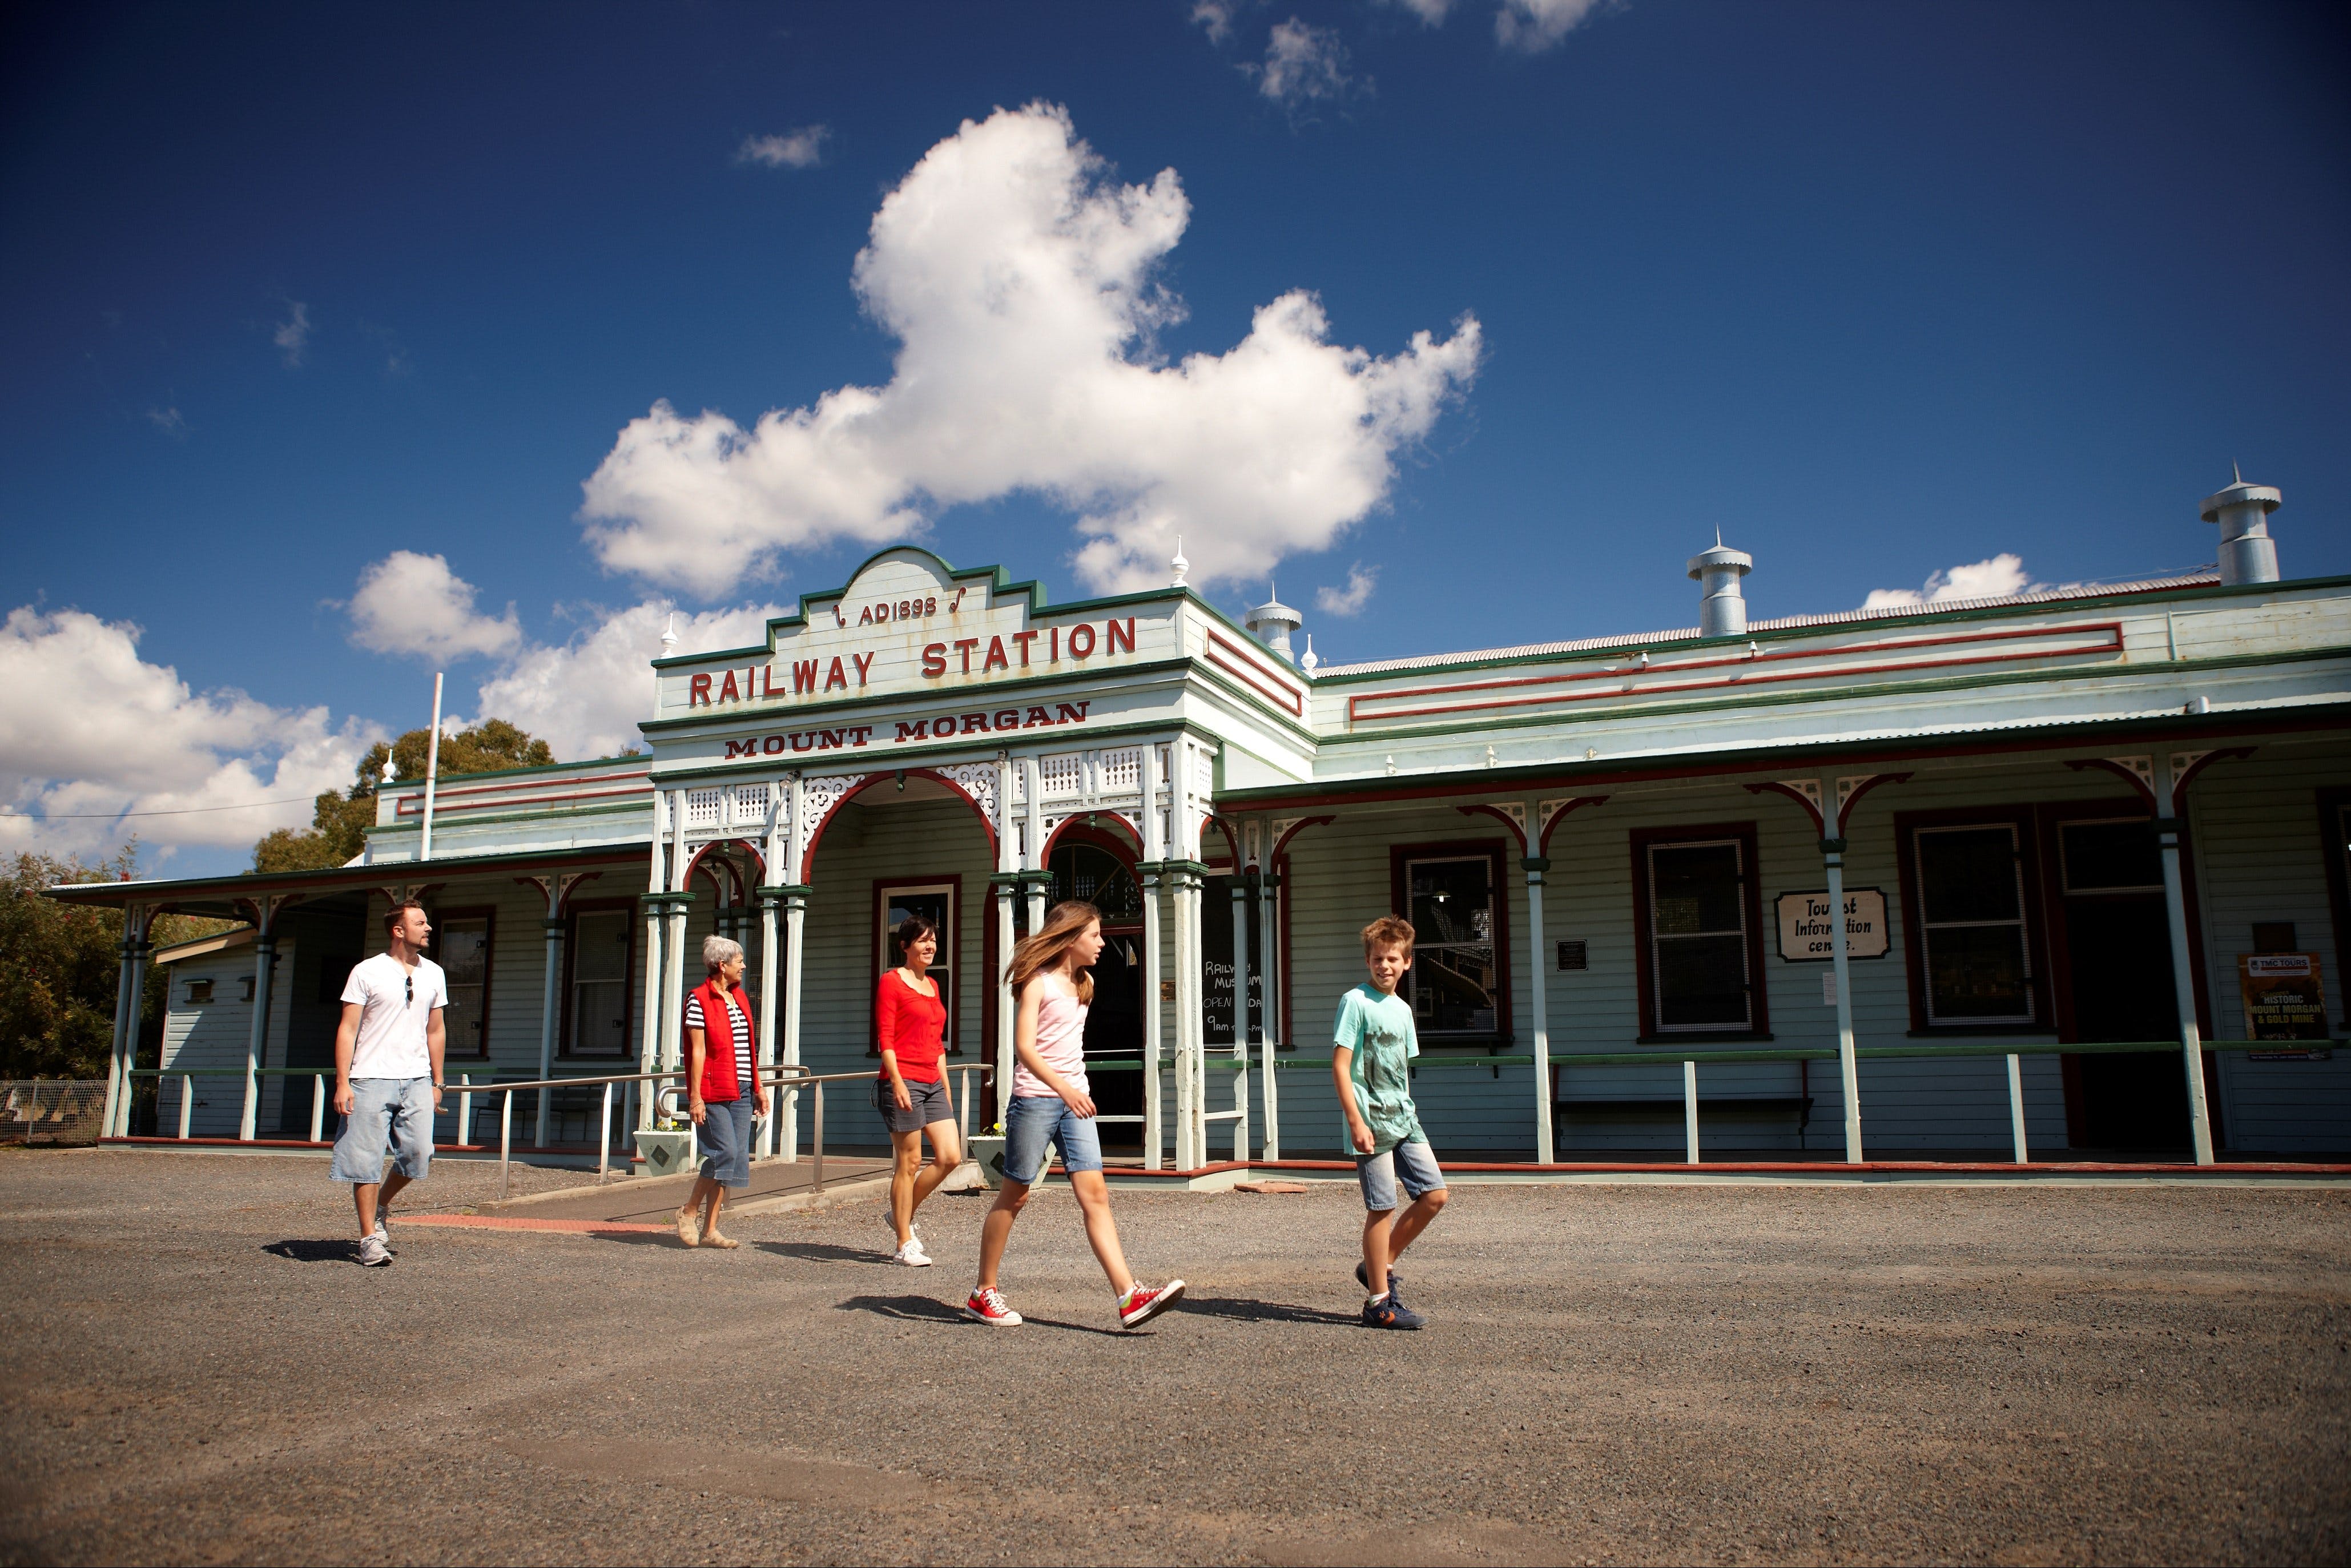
1370 1045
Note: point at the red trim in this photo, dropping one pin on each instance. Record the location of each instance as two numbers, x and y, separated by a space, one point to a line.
1297 828
808 855
1116 840
1844 812
2332 806
1501 816
1799 796
2111 630
2146 792
2179 788
1750 873
1562 815
1400 902
749 846
1280 693
1232 840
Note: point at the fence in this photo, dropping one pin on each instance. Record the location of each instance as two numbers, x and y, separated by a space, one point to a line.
52 1110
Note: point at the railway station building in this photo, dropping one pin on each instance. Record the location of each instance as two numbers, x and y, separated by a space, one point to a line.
2050 825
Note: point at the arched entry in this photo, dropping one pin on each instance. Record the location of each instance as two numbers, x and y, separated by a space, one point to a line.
1089 860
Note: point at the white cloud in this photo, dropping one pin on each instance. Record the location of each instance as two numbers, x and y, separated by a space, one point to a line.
1534 26
1304 64
801 149
1019 282
293 334
1350 600
1219 16
586 698
1432 12
169 421
411 603
1996 578
89 730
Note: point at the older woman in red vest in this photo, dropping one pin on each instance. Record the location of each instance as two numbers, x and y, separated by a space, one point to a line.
722 1085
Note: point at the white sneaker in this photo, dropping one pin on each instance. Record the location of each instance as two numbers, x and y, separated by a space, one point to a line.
911 1255
373 1253
384 1234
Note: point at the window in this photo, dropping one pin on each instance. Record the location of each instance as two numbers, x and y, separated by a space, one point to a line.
1458 984
600 954
460 943
936 902
1974 952
1701 973
200 990
2334 841
1090 871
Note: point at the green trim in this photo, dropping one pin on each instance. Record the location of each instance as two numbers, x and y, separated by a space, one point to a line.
389 830
684 774
1439 663
636 759
736 717
343 879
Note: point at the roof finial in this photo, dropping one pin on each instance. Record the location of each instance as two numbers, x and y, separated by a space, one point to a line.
669 635
1180 565
2236 474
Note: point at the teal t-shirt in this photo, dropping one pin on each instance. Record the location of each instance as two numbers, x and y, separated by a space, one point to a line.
1378 1030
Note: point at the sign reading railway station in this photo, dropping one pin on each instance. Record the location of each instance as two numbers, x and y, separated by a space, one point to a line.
1806 930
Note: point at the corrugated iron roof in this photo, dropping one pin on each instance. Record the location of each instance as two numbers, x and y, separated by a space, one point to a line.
2203 577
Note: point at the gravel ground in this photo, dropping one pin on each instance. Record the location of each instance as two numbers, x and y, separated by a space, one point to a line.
196 1374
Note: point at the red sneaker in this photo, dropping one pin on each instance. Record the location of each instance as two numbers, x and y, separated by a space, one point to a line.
1141 1304
987 1306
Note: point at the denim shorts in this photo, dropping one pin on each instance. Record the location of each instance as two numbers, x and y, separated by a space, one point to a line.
726 1139
389 1115
1411 1163
1036 1120
930 1104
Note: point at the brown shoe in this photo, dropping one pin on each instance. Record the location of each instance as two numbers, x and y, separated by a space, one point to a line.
689 1227
724 1243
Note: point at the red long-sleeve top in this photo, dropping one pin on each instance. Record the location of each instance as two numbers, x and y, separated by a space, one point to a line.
912 1025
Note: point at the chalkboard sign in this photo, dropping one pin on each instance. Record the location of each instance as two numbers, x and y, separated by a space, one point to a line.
1217 955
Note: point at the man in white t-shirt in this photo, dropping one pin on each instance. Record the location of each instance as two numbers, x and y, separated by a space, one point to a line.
388 1073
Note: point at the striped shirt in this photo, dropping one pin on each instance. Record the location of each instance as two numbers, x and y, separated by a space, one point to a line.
736 1025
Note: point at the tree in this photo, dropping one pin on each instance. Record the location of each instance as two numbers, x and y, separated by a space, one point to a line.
59 965
341 817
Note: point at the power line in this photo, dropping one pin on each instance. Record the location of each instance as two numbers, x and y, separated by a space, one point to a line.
175 811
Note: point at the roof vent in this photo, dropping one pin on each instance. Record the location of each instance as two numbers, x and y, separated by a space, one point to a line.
1722 608
1273 621
2248 554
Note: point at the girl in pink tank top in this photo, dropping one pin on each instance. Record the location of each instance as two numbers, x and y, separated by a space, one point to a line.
1052 1105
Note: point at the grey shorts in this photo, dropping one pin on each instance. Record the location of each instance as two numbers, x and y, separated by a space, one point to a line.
389 1117
931 1104
1413 1163
726 1138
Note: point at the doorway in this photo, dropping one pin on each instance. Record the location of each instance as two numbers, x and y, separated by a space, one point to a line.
2117 984
1093 866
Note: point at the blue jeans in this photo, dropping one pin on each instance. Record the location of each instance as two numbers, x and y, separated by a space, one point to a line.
389 1115
1413 1162
1040 1119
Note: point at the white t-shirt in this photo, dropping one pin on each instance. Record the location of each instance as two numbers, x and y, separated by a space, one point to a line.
395 1004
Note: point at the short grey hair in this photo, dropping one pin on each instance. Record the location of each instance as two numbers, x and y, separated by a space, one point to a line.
717 952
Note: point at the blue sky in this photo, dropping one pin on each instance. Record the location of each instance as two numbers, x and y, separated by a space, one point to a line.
1880 291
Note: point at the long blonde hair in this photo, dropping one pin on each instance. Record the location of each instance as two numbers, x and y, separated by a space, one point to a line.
1041 949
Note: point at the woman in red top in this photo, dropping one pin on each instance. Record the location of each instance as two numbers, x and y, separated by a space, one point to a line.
911 1093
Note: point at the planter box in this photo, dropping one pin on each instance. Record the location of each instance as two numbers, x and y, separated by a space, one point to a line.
987 1153
667 1153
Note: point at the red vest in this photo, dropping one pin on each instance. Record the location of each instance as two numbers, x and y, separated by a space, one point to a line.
718 1079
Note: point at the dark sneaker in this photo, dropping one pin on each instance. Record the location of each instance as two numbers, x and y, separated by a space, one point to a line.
1395 1283
1387 1313
1141 1304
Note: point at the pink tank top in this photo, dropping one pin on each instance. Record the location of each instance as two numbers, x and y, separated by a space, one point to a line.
1060 1040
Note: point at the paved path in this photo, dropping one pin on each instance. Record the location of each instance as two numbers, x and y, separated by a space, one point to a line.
652 1200
195 1372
